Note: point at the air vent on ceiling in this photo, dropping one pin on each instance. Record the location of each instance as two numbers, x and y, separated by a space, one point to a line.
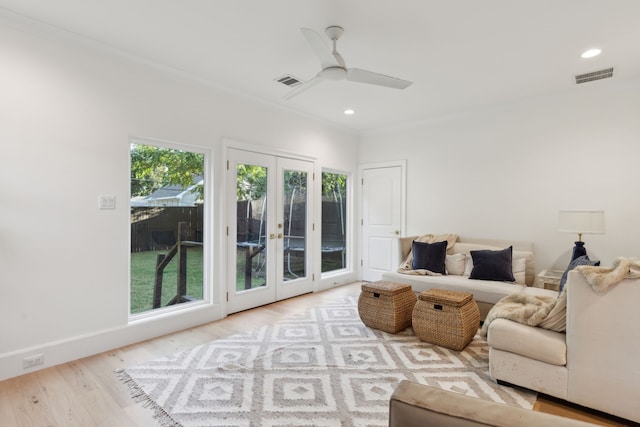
289 80
607 73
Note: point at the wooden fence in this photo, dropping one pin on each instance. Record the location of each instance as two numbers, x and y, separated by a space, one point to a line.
156 228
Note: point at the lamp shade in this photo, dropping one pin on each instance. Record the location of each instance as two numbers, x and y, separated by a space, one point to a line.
581 222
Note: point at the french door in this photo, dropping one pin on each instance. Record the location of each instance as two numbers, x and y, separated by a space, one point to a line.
269 219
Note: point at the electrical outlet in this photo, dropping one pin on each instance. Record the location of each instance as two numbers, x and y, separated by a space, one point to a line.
31 361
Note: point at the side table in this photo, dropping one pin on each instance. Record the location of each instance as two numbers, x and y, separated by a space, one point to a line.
549 279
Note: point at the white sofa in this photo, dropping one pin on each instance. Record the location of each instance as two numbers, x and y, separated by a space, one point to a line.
595 363
418 405
485 292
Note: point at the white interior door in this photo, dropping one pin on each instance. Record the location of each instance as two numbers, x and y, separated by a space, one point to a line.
269 239
382 219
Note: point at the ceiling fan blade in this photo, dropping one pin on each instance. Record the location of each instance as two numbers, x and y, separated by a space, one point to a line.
322 51
369 77
303 87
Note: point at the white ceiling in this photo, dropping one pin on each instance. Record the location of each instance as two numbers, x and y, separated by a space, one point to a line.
462 55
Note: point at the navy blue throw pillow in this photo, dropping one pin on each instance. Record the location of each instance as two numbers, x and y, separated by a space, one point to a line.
429 256
581 260
493 265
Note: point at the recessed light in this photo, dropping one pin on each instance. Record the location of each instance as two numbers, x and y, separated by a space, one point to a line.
591 53
349 111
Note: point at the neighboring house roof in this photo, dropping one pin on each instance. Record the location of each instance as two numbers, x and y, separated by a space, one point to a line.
171 195
167 191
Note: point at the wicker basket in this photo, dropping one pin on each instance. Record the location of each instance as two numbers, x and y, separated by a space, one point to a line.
387 306
446 318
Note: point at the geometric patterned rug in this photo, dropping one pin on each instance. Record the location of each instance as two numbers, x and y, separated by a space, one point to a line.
320 368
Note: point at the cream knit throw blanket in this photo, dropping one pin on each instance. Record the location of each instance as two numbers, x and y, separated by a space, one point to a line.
520 307
550 313
407 265
602 278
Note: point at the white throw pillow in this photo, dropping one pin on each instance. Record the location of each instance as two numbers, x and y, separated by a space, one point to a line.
455 264
468 266
519 266
528 267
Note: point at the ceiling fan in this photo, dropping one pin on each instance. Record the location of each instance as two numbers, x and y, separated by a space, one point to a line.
334 67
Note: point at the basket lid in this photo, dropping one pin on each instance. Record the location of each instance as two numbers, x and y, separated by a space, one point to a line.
441 296
385 288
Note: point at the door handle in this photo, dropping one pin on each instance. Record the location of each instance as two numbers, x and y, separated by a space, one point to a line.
272 236
396 232
279 235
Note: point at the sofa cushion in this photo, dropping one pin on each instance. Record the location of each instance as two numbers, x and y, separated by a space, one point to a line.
556 320
528 341
493 265
429 256
529 271
466 248
519 265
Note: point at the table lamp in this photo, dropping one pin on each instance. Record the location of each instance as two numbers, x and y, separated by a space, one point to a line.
581 222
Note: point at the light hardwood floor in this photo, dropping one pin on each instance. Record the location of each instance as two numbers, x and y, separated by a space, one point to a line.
87 393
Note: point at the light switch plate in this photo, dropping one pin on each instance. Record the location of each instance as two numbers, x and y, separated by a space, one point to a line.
107 202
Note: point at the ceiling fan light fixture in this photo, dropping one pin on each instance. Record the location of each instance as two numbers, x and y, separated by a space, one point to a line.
334 73
349 111
590 53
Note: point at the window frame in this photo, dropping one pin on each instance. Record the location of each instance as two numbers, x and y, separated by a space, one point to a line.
207 235
349 250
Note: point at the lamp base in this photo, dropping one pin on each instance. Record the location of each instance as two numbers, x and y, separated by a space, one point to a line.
578 250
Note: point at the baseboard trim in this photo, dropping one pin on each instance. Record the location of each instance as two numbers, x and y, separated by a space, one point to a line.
66 350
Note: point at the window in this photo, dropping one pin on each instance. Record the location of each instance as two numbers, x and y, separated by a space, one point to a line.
167 227
334 216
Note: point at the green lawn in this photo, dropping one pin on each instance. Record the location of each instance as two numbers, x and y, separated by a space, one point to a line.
331 261
143 267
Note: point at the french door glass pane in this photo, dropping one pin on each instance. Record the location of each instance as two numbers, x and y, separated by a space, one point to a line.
167 203
251 228
334 210
295 224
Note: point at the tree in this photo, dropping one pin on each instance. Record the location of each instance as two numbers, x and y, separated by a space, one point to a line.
333 184
251 182
154 167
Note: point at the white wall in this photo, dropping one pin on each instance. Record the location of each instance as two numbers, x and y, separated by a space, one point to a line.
504 173
67 111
